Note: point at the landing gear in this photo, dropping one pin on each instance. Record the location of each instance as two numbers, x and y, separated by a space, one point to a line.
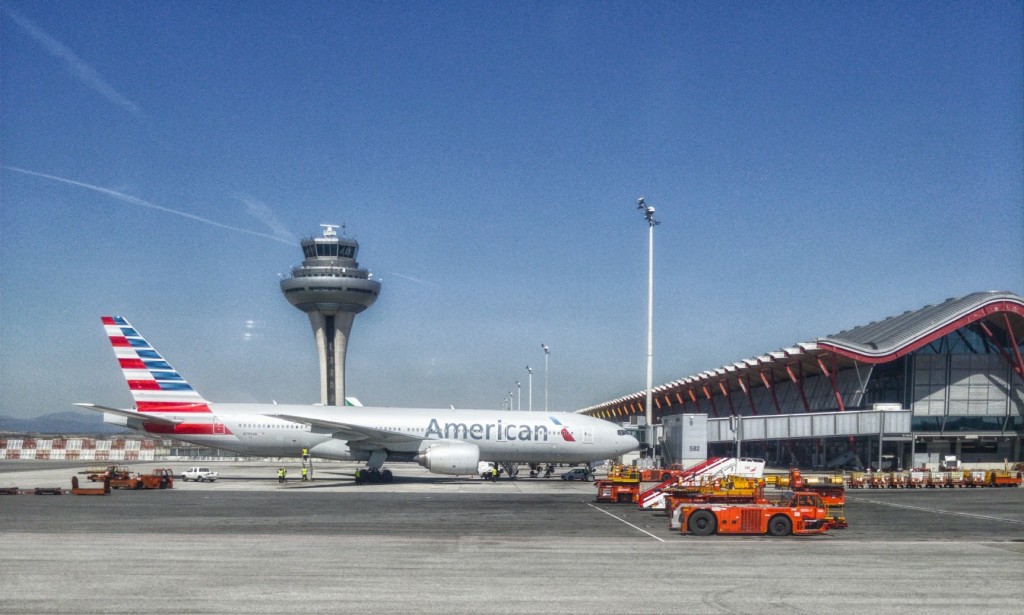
373 475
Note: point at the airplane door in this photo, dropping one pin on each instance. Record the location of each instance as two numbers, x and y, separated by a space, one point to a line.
588 436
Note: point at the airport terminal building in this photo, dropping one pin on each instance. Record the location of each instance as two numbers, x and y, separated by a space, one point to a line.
947 379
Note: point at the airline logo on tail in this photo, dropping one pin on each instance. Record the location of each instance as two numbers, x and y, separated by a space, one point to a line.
154 384
565 430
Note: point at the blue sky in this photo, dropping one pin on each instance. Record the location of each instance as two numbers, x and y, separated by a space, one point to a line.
815 166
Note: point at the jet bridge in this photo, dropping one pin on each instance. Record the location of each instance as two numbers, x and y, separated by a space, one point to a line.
889 424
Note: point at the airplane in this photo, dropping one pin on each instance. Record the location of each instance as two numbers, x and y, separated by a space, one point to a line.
444 441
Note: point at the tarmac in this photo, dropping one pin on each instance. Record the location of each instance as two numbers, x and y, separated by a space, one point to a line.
435 544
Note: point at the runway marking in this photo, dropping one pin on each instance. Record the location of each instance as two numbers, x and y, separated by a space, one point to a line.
626 522
941 512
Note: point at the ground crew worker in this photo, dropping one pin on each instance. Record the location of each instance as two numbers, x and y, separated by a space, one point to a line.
305 473
494 473
281 473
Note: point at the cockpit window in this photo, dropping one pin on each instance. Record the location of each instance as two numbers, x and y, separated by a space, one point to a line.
623 432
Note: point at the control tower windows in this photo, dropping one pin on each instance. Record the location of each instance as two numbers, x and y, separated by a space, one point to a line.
328 250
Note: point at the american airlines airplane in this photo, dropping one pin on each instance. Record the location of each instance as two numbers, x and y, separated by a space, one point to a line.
443 441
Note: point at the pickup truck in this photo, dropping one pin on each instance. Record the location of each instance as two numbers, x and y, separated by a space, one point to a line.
198 474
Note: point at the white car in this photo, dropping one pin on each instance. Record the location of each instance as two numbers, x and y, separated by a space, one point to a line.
199 474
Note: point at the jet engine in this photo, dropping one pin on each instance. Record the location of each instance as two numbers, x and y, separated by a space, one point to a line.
450 458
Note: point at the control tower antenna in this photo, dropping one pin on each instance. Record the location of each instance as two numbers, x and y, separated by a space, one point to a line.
331 288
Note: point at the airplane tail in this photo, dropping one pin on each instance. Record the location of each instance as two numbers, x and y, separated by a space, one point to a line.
155 385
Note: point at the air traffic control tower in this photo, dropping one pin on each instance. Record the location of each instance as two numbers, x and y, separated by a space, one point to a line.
331 288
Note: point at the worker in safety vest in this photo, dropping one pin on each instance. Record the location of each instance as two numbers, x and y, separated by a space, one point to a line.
305 473
280 475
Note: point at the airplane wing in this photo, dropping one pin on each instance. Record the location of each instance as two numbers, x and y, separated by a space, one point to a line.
352 433
132 414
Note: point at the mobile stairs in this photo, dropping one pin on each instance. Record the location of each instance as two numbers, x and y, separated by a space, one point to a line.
714 467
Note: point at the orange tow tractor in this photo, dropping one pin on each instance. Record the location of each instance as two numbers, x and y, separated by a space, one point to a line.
802 514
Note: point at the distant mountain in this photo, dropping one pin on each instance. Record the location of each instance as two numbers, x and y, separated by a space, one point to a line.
71 422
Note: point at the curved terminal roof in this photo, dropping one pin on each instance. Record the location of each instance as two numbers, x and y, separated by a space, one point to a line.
876 342
883 341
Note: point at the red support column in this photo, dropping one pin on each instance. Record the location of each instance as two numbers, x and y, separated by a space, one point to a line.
768 384
832 379
723 386
745 385
707 393
799 384
1015 359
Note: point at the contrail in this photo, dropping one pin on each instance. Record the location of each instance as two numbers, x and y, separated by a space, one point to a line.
131 200
76 65
412 279
265 214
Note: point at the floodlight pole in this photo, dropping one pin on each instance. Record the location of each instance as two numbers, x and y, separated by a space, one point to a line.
529 380
519 396
648 411
547 352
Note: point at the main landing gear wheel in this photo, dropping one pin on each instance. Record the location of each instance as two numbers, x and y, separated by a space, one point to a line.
373 475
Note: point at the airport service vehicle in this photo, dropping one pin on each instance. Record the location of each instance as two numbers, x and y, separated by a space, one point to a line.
801 513
443 441
918 479
112 472
578 474
160 478
659 475
199 474
76 489
699 475
832 490
621 485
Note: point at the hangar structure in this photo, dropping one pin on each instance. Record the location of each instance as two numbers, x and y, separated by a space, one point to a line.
947 379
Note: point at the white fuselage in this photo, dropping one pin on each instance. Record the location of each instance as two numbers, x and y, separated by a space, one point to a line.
502 436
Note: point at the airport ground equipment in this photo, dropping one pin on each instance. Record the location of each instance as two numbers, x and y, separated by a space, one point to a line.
660 475
831 488
715 467
538 469
802 513
949 463
113 472
159 478
834 498
77 490
717 491
1005 478
943 479
622 485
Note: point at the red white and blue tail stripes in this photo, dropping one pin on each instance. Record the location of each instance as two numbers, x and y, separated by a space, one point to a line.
154 384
